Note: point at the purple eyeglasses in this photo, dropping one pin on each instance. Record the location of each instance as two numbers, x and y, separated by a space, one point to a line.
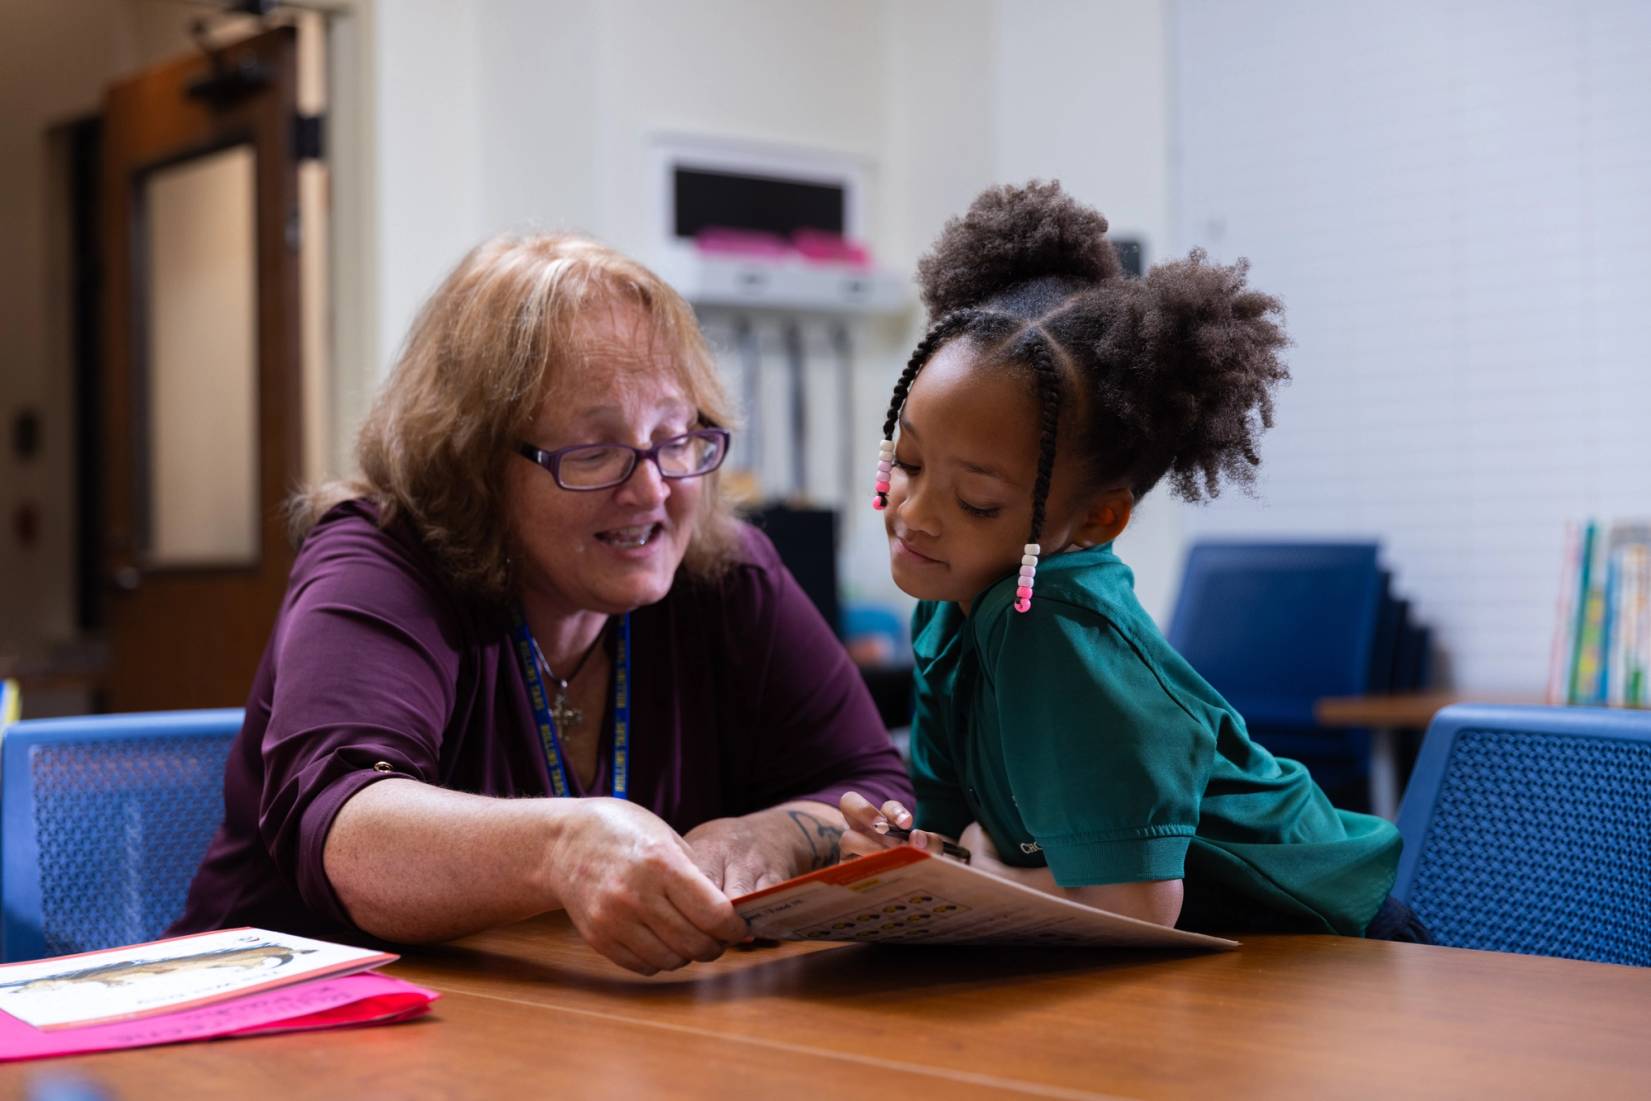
588 466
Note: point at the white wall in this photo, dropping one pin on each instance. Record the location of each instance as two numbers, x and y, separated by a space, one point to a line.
1082 95
1451 198
430 158
542 106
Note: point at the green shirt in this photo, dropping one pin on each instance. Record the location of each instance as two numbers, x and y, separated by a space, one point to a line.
1077 737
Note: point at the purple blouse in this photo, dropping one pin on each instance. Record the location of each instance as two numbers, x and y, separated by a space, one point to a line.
741 699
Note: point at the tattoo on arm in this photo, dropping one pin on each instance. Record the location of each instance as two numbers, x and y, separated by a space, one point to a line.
821 835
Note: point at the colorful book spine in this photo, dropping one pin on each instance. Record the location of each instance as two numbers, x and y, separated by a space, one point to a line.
11 702
1564 645
1602 684
1633 638
1601 651
1581 658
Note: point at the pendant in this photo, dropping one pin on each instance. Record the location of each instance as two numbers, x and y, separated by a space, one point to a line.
565 714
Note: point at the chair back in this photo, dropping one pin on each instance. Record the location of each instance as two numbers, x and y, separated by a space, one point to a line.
1275 626
1528 829
103 821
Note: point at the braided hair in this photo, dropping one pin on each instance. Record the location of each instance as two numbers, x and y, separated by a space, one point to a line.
1168 375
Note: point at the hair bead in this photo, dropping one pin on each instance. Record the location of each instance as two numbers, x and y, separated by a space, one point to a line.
1028 577
885 464
939 331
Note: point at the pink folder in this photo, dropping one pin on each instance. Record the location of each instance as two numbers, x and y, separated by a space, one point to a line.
361 999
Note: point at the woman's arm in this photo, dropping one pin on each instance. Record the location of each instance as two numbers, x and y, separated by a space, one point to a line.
411 862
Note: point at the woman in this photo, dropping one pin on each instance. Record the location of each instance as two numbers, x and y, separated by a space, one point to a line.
536 589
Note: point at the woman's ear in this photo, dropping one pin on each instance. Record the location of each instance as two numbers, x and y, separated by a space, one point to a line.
1105 519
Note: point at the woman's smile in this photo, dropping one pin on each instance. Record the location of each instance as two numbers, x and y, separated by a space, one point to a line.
635 541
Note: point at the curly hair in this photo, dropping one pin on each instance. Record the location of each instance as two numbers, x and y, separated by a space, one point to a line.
495 338
1168 375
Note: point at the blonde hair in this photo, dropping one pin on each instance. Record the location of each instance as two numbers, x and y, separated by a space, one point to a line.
488 345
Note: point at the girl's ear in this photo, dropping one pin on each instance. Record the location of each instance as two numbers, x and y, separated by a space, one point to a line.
1105 519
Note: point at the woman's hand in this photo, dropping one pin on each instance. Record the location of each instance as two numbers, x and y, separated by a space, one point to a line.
868 827
746 854
633 891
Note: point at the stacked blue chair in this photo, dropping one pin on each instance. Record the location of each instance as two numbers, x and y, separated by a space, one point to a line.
1528 829
103 821
1274 627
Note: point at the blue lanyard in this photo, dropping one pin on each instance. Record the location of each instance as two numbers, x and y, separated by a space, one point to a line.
525 652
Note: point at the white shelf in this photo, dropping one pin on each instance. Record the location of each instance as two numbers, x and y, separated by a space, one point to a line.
795 285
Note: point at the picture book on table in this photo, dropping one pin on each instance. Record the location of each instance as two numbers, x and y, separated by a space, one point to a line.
907 895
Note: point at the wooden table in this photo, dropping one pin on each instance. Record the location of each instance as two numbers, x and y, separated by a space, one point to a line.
1387 717
529 1011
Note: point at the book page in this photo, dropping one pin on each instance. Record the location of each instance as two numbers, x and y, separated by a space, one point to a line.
164 976
907 895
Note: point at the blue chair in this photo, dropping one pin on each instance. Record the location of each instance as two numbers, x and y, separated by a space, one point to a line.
1528 829
103 821
1276 626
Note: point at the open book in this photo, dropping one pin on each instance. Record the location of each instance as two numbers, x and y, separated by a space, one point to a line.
907 895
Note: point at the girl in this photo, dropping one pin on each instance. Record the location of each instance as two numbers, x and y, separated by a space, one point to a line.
1057 735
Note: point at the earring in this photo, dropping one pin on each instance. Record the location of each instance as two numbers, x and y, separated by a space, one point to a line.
885 463
1028 577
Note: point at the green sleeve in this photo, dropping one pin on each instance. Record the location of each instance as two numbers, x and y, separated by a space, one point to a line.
940 803
1107 767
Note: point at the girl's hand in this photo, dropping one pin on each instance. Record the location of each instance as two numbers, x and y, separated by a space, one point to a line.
868 827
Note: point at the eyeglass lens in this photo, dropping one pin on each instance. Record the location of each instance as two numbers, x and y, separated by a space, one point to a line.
600 465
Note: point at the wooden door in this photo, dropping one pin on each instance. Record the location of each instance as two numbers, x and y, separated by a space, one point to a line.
202 414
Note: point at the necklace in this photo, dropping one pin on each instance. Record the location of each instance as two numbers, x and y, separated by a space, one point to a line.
527 652
566 715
